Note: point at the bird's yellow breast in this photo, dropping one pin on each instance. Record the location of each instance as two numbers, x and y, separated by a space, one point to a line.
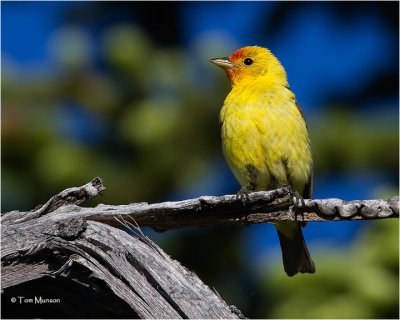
265 138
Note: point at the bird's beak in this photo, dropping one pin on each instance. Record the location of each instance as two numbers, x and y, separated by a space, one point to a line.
224 63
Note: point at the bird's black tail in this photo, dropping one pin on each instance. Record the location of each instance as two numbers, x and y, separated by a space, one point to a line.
295 254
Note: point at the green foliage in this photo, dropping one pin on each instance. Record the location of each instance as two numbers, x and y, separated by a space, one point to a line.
147 98
360 282
346 141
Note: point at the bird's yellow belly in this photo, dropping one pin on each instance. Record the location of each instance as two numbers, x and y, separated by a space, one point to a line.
266 147
242 148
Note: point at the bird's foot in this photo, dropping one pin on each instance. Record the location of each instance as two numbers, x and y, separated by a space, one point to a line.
297 199
243 194
298 202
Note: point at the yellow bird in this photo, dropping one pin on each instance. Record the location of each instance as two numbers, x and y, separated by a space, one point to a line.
265 139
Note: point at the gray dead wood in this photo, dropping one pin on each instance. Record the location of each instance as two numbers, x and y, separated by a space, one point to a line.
111 273
129 274
207 211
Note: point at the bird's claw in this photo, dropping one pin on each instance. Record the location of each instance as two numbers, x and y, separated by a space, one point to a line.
297 199
243 195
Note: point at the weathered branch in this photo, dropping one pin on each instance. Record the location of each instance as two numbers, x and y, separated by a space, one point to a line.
129 276
205 211
93 270
74 195
107 262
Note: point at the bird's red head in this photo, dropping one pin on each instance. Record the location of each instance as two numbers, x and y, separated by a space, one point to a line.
250 63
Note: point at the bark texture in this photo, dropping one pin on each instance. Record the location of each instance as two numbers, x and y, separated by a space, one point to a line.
81 261
90 269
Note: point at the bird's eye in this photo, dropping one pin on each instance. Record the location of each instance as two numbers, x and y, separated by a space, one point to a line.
248 61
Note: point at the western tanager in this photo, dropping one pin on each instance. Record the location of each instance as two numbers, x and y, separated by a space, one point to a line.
265 139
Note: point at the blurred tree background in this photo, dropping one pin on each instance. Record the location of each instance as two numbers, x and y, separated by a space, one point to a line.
124 90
